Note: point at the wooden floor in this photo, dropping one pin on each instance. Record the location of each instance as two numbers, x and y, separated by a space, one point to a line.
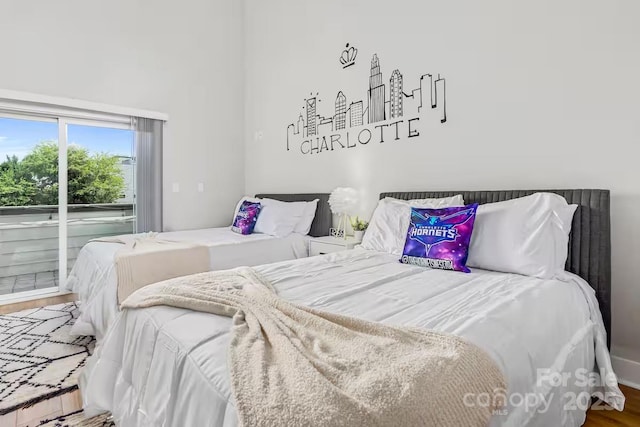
609 418
71 402
26 305
49 409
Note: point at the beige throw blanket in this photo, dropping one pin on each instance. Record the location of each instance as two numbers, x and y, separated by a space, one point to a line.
146 259
291 365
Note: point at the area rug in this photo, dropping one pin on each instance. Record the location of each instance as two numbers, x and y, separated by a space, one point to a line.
76 419
38 358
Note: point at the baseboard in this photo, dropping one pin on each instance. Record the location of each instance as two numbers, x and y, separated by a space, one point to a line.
628 371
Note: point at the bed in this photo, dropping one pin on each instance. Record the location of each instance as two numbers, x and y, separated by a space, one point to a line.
94 279
167 366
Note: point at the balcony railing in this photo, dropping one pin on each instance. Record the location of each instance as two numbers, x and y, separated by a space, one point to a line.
29 240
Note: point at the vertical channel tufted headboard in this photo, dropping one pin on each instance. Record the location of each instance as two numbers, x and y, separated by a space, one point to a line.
589 242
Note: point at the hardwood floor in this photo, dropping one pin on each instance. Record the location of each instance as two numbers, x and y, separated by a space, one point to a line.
52 408
25 305
608 418
71 402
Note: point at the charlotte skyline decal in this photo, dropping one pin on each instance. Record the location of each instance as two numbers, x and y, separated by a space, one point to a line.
384 113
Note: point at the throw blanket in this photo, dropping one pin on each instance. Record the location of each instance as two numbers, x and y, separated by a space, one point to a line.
291 365
145 259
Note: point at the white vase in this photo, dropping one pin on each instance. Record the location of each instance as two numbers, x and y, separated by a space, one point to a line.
358 235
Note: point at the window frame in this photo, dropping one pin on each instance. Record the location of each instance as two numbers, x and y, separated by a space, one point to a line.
64 112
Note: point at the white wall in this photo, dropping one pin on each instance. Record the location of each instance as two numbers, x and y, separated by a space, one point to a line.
541 94
181 58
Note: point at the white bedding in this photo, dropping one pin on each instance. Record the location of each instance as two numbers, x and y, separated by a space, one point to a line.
167 366
94 279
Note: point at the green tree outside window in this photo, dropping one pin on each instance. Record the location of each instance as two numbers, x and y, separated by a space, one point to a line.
92 178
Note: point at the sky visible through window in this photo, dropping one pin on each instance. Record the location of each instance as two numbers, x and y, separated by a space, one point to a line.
19 137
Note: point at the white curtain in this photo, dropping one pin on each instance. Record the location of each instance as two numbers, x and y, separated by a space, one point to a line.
148 174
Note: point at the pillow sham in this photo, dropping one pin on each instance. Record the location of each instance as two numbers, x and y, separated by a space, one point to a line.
246 218
308 215
527 236
387 229
279 218
439 238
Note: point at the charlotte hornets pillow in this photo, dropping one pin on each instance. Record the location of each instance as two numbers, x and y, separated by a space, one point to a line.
439 238
246 218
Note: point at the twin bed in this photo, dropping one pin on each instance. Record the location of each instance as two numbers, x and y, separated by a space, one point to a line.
94 279
168 366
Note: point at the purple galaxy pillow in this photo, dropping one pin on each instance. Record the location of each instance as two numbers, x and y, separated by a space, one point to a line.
439 238
247 216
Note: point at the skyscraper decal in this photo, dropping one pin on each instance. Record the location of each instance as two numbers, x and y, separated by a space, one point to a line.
311 116
355 114
384 120
376 92
396 95
300 126
341 111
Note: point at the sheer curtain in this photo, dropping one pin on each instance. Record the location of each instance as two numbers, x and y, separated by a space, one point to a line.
148 174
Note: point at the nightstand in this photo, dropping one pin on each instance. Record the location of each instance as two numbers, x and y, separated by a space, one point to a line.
328 244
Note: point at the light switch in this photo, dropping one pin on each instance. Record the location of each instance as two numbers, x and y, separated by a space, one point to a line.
175 187
201 187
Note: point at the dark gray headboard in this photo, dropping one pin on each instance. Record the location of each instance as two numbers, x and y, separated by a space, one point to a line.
589 242
323 220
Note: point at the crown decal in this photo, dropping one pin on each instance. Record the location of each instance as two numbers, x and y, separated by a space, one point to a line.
348 57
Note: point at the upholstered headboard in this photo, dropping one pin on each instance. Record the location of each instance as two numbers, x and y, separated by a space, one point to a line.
589 242
323 220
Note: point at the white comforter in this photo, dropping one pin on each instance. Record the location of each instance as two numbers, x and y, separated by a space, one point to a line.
168 366
94 277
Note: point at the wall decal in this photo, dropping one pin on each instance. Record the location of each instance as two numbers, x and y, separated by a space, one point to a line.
348 57
387 113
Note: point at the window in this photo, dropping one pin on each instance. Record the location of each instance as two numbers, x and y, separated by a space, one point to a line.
100 184
69 175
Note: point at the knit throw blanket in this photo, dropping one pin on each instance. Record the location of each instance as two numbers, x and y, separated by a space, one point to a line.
146 259
291 365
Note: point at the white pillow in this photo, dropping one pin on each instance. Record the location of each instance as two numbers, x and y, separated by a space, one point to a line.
279 218
527 236
444 202
309 213
562 221
387 229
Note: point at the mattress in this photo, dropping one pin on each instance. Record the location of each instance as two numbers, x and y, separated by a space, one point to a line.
168 366
94 279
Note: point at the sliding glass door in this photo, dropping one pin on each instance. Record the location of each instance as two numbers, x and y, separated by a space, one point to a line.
62 183
29 213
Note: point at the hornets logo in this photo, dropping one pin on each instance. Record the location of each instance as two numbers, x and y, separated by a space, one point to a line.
432 230
439 238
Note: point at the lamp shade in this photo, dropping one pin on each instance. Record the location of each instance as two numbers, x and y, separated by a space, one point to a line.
343 201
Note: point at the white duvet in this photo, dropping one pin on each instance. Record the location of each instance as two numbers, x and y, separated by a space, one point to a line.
166 366
94 279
